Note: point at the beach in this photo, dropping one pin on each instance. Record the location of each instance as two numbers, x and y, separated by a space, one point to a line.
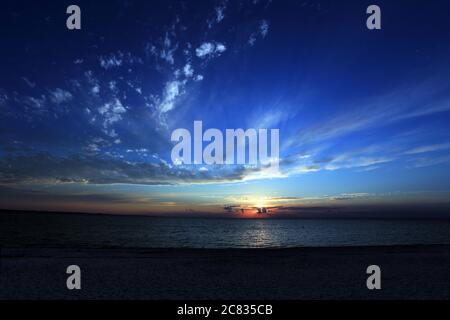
407 272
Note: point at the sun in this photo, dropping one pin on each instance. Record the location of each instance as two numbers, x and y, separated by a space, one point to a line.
259 203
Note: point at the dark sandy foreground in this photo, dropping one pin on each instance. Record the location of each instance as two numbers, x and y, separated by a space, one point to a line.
408 272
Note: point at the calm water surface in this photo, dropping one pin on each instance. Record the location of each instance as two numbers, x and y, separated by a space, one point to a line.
149 232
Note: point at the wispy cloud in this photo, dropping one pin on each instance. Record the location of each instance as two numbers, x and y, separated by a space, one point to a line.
59 96
30 83
96 169
427 161
111 61
168 50
209 49
172 90
260 33
410 102
429 148
111 113
264 28
220 15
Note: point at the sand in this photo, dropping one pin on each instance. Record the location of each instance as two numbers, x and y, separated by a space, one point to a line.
408 272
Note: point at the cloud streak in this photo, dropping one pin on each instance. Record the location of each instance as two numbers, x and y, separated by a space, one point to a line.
410 102
96 169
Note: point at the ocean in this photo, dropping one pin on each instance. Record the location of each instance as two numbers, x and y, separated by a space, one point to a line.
85 231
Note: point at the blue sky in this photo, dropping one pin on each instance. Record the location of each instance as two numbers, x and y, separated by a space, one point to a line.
86 115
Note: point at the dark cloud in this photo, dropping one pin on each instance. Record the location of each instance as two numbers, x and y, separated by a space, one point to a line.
11 193
93 169
285 198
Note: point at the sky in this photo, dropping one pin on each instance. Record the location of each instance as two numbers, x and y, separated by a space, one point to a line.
86 116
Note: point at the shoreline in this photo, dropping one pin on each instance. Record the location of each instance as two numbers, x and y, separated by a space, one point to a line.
408 272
